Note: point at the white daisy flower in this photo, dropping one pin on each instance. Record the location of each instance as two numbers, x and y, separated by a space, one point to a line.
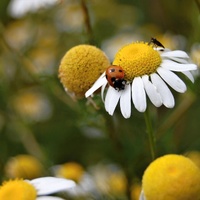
148 71
36 189
19 8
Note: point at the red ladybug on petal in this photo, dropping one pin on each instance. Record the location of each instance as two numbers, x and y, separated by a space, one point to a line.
115 77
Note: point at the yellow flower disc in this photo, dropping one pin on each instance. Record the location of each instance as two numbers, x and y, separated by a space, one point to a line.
117 183
172 177
23 166
137 59
17 190
80 67
71 170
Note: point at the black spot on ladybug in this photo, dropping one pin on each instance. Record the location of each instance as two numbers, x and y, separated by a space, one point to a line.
113 79
119 84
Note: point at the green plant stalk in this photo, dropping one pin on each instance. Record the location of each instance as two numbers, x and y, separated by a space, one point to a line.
151 135
87 22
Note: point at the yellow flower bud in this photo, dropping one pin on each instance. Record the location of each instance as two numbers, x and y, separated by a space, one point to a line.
117 183
171 177
70 170
80 67
23 166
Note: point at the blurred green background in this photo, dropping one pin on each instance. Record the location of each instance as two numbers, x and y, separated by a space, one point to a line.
38 118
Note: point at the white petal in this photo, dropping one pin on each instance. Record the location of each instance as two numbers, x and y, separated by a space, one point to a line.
111 100
100 81
125 101
172 79
102 91
49 198
178 60
163 90
138 94
177 53
142 197
174 66
159 49
151 91
189 75
49 185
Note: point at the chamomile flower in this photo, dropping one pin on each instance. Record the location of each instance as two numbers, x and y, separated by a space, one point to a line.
80 67
171 177
35 189
70 170
149 70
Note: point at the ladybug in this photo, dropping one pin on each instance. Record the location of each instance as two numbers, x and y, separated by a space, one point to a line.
115 77
156 43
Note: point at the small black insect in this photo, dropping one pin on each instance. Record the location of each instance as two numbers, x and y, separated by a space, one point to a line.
155 42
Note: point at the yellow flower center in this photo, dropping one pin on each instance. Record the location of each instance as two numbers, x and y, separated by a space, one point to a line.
137 59
71 170
117 183
17 190
23 166
80 67
172 177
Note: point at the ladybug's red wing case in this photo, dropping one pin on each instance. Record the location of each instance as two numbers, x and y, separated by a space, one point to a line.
115 77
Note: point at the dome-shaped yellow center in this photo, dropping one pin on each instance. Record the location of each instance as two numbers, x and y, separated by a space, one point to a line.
172 177
80 67
137 59
17 190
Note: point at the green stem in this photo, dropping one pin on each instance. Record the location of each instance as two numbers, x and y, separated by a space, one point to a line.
87 22
198 4
151 136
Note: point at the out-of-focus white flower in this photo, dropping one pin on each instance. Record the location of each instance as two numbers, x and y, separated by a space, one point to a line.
35 189
74 171
109 179
19 8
